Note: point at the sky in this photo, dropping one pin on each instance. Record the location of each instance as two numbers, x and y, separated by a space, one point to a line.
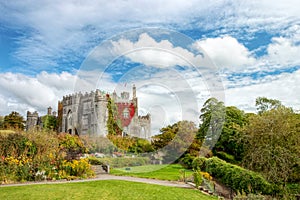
177 53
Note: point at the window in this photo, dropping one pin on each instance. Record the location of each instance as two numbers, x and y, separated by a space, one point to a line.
126 113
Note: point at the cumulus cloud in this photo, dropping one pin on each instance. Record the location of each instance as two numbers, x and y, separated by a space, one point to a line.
152 53
227 52
283 52
21 92
68 30
284 87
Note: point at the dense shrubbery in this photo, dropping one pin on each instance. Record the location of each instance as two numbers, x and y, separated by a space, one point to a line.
237 178
227 157
40 155
122 161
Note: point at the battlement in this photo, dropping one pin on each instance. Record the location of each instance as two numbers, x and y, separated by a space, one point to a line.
32 114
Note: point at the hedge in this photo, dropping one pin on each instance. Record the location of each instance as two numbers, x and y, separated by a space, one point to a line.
121 161
237 178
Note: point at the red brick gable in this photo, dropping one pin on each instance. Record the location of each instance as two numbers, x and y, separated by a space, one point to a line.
131 111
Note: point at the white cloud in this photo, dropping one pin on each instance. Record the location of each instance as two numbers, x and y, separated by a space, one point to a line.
54 30
283 52
152 53
21 92
227 52
285 87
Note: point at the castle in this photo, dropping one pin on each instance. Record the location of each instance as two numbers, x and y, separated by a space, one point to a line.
87 114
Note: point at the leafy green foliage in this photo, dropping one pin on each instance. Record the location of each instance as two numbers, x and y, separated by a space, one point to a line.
264 104
197 178
273 144
237 178
113 127
49 122
39 155
72 145
1 122
178 142
199 163
13 121
229 141
212 119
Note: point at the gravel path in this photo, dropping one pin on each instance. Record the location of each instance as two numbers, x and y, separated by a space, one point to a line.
109 177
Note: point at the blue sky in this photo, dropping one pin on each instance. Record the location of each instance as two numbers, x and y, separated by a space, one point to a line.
44 46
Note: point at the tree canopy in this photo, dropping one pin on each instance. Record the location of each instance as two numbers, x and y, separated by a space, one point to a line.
14 121
273 144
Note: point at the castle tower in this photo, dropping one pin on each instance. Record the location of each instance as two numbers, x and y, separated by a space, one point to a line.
135 101
133 91
32 120
49 110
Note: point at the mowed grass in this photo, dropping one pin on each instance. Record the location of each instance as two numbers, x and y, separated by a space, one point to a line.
161 172
106 189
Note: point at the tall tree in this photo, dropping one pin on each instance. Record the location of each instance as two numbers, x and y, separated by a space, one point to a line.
273 144
177 140
49 122
229 141
264 104
14 121
212 119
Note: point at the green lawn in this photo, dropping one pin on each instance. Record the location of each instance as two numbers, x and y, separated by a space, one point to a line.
111 189
162 172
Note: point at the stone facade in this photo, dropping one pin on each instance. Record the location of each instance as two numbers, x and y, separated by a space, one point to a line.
87 113
33 119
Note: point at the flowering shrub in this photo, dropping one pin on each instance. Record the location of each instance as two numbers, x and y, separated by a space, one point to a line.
36 156
206 175
79 168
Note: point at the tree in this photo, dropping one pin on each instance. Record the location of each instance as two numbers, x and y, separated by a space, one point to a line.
264 104
1 122
49 122
14 121
273 144
212 119
177 140
229 139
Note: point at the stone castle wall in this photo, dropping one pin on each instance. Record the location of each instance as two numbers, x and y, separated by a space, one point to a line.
87 114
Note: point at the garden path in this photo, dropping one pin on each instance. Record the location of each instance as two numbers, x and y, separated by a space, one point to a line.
110 177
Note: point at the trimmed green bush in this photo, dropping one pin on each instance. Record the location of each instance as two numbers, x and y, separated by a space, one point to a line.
94 161
227 157
237 178
199 163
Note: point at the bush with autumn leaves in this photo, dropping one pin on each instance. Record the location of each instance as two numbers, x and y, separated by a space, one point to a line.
41 155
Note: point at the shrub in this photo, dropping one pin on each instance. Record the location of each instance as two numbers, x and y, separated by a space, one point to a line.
39 155
197 178
237 178
187 161
227 157
94 161
78 168
199 163
249 197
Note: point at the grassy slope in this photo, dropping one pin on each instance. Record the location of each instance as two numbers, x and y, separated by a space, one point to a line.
162 172
111 189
